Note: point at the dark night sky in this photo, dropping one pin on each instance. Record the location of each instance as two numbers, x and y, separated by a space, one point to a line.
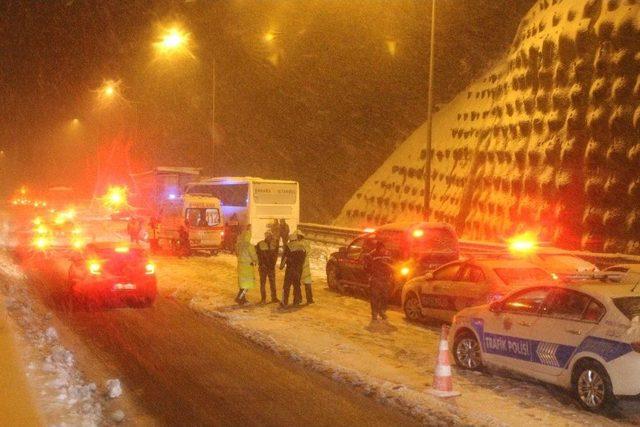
324 102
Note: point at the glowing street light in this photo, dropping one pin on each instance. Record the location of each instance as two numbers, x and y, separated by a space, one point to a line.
269 36
115 198
173 40
109 90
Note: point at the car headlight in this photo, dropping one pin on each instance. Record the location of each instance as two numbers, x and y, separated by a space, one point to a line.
94 267
150 268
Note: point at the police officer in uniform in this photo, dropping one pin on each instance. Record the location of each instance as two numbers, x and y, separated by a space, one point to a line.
293 256
267 251
306 268
378 265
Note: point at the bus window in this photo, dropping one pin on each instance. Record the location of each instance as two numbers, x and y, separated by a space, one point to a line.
229 194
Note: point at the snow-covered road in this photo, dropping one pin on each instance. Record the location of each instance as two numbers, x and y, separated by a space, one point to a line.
393 361
390 362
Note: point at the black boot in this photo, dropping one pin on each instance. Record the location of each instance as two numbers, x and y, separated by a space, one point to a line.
308 292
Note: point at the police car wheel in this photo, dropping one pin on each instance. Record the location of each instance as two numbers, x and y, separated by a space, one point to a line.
592 386
412 308
466 351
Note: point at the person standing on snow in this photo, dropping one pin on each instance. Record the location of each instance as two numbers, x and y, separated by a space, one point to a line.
267 251
231 232
247 258
184 246
284 231
293 256
133 229
275 230
306 267
377 265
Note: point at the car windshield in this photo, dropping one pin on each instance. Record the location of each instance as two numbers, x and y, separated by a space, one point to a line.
522 276
124 252
566 262
629 306
433 240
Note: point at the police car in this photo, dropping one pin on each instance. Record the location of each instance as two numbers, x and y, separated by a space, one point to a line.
442 293
582 336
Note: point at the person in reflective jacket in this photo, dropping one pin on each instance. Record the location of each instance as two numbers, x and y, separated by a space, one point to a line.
306 267
378 266
267 251
293 256
247 258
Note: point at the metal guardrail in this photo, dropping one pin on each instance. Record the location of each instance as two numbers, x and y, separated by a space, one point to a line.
344 235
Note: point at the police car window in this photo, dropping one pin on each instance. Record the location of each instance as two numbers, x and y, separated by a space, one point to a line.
355 249
472 274
629 306
526 302
567 304
449 272
594 312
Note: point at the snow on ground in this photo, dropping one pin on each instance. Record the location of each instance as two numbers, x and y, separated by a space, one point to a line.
62 393
393 362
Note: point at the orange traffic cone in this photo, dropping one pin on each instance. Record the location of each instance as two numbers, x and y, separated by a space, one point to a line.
442 380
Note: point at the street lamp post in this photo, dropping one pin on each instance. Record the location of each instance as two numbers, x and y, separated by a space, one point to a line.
427 159
174 41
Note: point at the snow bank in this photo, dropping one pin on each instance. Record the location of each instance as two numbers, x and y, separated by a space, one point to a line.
62 393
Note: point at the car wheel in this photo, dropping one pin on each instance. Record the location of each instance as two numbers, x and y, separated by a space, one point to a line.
332 279
592 386
412 309
466 351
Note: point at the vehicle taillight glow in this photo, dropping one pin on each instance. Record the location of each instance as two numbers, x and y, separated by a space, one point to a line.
150 268
94 267
418 233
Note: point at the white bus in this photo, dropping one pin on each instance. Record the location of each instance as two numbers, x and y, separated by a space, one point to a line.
254 201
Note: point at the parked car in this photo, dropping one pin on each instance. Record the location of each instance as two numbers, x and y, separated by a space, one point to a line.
415 249
583 336
459 284
558 262
113 272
